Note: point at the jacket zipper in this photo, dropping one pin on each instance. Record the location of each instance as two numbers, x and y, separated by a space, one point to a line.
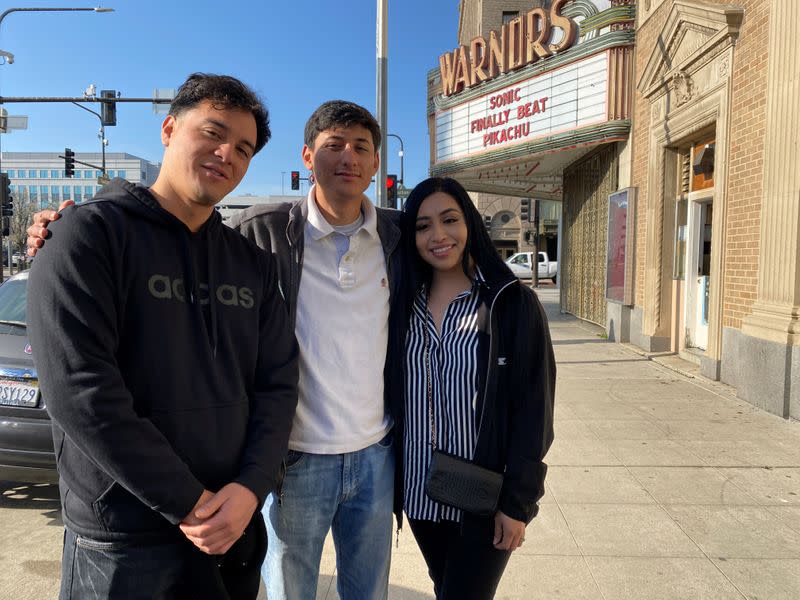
489 361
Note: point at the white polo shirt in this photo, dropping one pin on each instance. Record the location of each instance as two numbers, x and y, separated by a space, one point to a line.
342 330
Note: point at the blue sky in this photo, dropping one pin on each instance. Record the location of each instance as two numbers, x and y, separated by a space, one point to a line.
296 54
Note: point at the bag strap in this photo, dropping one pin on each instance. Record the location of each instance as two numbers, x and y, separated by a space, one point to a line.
431 420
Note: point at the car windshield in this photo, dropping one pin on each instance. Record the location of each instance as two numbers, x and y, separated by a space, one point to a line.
12 300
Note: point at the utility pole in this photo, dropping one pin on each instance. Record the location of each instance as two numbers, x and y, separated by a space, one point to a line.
535 262
381 89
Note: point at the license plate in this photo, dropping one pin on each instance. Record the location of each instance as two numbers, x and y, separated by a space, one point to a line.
16 393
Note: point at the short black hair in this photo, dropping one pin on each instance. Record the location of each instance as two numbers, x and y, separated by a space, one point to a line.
336 114
225 93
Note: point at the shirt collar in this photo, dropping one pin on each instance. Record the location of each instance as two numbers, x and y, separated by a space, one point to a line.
319 227
477 281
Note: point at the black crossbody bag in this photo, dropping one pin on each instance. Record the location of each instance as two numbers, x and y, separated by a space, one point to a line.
453 480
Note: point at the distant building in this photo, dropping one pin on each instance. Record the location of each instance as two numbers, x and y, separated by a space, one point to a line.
39 176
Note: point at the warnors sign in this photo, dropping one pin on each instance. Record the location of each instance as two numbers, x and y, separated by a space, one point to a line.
521 41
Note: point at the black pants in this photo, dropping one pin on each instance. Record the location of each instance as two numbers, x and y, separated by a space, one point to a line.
461 568
174 570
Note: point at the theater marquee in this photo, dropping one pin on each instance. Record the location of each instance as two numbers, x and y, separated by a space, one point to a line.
508 111
560 100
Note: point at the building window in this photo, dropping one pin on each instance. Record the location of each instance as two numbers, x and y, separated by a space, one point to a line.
32 192
63 174
121 173
54 174
11 173
703 165
88 190
77 174
509 15
111 173
65 191
21 174
32 173
42 173
87 174
76 193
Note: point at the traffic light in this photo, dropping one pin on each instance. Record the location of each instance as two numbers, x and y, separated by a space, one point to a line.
391 190
5 196
69 163
295 180
487 220
108 110
525 210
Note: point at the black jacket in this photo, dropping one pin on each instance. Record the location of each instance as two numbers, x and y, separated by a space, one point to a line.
515 401
279 228
166 361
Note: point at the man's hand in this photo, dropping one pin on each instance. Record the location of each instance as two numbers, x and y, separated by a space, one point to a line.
508 533
191 519
223 518
37 232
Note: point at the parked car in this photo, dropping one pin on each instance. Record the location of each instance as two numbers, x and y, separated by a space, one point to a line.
520 264
26 438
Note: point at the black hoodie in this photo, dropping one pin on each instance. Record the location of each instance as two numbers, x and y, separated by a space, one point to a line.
165 359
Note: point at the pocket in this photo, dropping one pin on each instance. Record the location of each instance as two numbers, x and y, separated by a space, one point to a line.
99 546
293 458
387 440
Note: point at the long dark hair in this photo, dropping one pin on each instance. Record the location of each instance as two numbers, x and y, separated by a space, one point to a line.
479 245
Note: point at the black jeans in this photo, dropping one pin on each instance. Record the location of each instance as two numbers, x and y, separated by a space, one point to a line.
93 570
461 568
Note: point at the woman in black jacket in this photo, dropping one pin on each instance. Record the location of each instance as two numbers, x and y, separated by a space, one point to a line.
478 383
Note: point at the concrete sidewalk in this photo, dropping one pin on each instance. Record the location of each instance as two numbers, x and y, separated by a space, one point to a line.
661 487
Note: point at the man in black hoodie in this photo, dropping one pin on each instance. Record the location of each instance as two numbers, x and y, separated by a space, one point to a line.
168 366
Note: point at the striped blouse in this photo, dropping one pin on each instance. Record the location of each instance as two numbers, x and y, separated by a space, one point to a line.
454 358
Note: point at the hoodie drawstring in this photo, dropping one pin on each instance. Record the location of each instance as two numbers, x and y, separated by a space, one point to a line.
212 296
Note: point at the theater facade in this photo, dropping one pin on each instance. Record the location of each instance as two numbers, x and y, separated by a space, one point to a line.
663 137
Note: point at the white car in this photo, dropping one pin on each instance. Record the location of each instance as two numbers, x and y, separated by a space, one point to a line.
520 265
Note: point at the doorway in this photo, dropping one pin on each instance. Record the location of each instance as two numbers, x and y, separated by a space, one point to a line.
698 272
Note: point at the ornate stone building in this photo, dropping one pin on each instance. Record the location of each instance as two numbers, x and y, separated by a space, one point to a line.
716 152
666 131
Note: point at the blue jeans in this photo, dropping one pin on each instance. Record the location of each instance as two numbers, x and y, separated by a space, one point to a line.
352 494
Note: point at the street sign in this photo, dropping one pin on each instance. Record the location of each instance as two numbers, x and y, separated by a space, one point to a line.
103 179
403 192
8 123
162 94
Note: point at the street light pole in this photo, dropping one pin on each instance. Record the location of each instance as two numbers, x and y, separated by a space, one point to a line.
9 57
381 88
402 152
97 9
102 133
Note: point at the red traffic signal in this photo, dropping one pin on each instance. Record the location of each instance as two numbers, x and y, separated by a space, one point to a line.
391 189
295 180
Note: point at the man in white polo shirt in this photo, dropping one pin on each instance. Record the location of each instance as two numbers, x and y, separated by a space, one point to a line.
338 266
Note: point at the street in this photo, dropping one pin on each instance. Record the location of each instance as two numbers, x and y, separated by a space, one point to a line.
661 487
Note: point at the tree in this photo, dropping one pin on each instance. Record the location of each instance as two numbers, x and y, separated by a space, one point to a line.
24 207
